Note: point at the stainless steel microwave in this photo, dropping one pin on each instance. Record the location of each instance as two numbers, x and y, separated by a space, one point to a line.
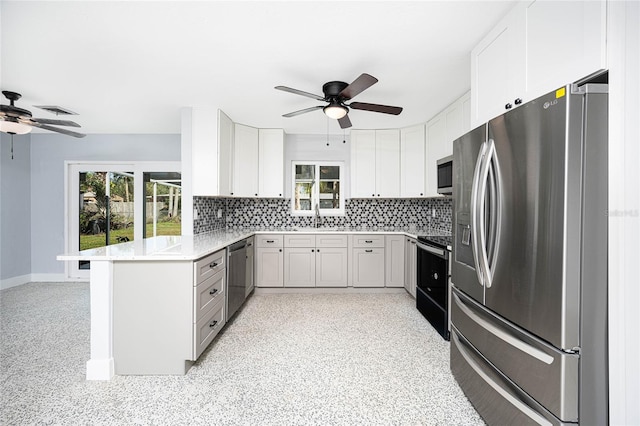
445 175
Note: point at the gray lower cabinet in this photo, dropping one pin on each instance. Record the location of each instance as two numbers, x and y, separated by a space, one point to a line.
166 313
394 258
269 261
315 260
410 263
368 260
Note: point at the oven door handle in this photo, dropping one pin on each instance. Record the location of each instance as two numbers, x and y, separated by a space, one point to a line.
438 252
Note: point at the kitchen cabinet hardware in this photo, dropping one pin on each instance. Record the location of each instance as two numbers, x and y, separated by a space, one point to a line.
213 324
213 264
312 251
280 250
256 194
214 291
518 101
368 241
270 241
368 251
508 106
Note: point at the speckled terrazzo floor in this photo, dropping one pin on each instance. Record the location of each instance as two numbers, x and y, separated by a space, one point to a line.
348 359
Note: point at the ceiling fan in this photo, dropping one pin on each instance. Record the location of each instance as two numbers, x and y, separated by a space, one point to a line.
337 93
18 121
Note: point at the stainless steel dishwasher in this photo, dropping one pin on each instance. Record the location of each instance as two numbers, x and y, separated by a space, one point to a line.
236 276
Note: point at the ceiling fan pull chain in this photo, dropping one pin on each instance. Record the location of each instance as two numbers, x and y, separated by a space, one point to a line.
12 147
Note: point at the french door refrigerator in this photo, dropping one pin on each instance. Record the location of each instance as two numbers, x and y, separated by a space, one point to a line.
529 267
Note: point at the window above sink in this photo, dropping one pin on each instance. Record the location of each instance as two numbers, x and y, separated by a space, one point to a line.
317 184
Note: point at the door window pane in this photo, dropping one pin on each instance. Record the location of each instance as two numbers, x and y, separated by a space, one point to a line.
163 203
106 209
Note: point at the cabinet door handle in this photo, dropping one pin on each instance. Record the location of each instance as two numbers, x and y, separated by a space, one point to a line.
508 106
214 291
368 241
213 324
213 264
518 101
312 250
318 250
270 241
368 251
280 250
255 195
373 195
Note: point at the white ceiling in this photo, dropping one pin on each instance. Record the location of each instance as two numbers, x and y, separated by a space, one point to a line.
128 67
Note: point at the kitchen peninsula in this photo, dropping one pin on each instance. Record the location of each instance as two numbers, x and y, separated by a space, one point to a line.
151 308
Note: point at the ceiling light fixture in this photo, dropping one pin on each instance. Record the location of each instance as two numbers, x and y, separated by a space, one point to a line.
13 127
335 110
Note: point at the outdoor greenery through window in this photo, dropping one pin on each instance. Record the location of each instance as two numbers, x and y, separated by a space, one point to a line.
107 207
317 184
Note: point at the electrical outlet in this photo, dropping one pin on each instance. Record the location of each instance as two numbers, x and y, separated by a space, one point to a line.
195 214
433 212
219 213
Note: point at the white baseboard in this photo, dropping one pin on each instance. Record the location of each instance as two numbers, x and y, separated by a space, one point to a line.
38 278
15 281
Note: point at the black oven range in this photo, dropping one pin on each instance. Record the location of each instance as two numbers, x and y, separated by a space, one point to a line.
432 290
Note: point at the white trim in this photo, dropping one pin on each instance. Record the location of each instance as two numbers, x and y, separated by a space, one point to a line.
101 364
315 195
14 281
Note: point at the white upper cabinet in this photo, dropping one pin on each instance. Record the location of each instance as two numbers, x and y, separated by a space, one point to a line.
537 47
388 163
363 160
207 137
412 156
441 131
271 163
375 163
245 161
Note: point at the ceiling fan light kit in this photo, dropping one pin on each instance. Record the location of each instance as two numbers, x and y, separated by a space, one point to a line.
335 111
7 125
336 93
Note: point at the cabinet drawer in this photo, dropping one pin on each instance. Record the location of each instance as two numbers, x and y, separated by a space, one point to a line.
368 240
207 294
269 241
207 328
331 240
300 240
209 266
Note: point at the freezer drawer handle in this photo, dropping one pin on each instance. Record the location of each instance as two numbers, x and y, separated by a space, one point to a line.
502 335
533 415
214 291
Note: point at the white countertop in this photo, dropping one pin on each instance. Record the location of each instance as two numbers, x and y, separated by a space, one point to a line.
179 247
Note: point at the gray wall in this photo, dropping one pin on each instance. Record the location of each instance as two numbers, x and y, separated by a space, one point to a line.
48 154
15 206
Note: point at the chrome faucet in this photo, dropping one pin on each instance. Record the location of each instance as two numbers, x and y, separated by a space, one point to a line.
317 217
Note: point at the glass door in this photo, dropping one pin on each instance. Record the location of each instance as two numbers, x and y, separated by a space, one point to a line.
163 203
106 206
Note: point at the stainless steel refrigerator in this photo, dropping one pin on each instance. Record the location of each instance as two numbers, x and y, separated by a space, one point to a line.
529 264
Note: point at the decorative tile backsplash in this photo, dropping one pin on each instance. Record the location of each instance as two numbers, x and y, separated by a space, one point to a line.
409 213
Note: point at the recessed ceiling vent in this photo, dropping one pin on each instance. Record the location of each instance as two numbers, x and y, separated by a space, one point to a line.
56 109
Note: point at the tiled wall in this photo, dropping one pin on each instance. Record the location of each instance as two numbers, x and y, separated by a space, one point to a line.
359 213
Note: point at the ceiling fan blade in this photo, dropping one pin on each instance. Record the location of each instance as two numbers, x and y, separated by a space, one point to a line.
55 122
358 86
344 122
386 109
55 129
299 92
302 111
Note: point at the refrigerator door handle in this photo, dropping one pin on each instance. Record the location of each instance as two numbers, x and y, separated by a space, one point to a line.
502 335
512 399
475 246
480 211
